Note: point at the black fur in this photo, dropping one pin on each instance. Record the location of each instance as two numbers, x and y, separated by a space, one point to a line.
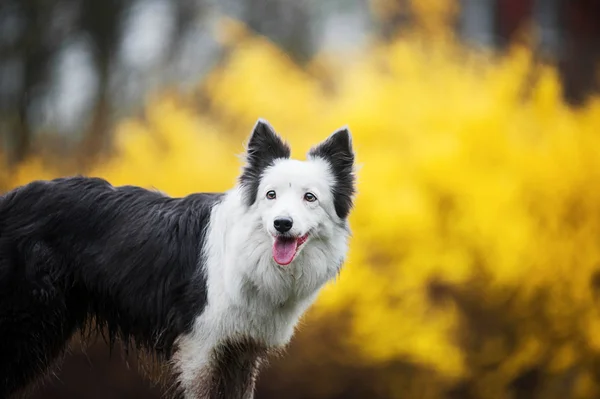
264 147
78 252
337 150
236 363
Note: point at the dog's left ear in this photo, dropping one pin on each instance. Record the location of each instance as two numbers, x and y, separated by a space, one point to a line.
337 151
264 147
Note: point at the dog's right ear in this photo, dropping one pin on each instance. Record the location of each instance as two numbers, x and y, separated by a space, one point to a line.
264 147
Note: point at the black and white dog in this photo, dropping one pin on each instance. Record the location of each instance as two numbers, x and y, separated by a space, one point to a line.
210 283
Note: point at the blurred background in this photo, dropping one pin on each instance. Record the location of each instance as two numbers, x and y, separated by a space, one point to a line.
474 269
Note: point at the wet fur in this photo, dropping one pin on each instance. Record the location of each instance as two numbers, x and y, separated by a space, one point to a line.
189 280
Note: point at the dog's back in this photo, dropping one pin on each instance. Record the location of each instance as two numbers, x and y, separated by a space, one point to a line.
78 248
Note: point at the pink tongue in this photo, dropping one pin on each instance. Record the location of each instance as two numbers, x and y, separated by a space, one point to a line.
284 250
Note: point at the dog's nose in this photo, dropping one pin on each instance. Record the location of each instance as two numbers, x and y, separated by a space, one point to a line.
283 224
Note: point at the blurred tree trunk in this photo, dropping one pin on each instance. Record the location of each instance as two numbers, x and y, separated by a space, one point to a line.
285 23
511 16
582 50
549 27
477 22
95 140
35 56
21 144
101 20
393 16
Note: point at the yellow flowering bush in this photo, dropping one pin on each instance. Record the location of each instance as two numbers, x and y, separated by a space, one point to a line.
474 269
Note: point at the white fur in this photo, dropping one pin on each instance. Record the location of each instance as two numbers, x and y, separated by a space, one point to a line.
249 294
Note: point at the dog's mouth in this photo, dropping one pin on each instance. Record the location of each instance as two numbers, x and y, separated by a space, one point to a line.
285 248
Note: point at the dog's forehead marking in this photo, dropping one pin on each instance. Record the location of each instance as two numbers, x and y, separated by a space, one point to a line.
303 173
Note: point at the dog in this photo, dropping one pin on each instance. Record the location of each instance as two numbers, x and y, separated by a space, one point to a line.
211 283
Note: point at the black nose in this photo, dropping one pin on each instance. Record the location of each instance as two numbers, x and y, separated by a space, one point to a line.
283 225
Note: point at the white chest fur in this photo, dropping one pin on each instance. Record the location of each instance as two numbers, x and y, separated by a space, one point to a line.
249 296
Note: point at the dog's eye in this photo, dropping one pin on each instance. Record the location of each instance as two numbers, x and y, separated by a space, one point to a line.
271 194
310 197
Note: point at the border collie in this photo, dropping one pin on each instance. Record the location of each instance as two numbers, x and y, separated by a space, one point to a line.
209 284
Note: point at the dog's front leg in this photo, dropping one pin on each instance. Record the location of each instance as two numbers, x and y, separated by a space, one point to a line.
227 370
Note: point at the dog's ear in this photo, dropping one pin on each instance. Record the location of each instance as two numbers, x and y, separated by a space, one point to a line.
264 147
337 150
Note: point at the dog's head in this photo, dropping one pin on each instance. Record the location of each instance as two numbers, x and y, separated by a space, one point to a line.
298 201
